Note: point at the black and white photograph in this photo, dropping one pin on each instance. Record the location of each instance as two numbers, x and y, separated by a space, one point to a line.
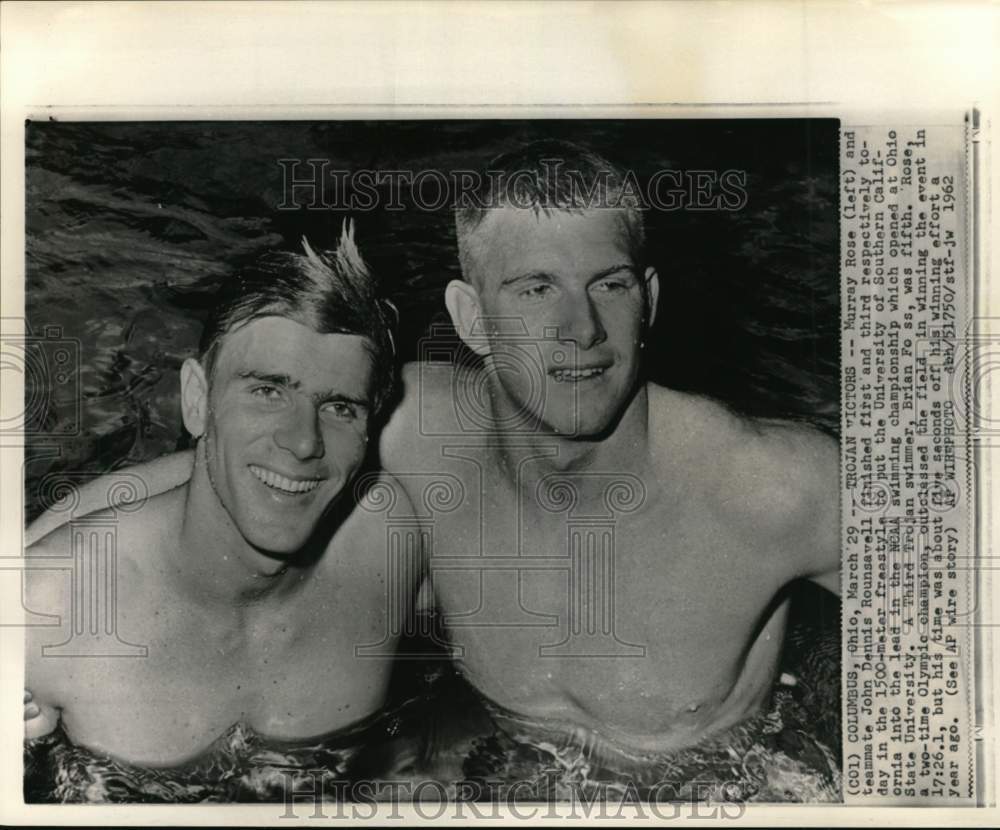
478 460
529 412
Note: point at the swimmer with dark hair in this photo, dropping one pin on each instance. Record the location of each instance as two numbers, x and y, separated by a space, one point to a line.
242 596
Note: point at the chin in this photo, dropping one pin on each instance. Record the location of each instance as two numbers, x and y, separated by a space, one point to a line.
580 421
276 549
588 429
275 543
594 431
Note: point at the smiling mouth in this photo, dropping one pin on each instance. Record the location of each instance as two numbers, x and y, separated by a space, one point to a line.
291 486
576 375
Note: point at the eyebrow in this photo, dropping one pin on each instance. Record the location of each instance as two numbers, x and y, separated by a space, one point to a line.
547 275
614 269
530 275
291 383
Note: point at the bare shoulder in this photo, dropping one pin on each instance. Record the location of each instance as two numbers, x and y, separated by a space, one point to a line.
379 498
790 475
47 578
134 539
790 472
47 596
382 496
362 543
770 478
136 531
431 408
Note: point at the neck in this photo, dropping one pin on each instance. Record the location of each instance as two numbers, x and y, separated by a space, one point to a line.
622 448
213 562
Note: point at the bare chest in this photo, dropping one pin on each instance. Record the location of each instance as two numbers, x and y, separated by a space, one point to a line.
614 607
288 675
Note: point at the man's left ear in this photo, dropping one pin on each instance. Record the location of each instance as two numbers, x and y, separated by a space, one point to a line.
194 397
462 301
652 293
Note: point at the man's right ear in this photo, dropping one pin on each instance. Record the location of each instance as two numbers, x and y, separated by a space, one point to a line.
462 301
194 397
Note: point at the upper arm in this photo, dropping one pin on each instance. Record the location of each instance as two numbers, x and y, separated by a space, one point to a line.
147 480
384 541
815 539
790 478
411 444
47 593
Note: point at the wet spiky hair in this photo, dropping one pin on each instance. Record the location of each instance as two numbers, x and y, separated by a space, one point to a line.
331 292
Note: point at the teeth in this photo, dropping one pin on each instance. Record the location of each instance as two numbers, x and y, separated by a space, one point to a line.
563 375
287 485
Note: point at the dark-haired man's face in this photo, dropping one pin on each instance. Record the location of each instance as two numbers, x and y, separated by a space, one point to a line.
286 428
564 306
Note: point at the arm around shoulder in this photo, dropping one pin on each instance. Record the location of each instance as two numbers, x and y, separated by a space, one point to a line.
146 480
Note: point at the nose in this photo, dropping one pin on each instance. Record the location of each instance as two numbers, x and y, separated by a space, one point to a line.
299 433
581 323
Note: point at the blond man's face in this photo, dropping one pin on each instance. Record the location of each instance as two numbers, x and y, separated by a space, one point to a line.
563 306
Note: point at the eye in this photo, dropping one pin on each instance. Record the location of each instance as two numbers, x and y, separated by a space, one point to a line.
268 393
340 410
612 286
535 292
